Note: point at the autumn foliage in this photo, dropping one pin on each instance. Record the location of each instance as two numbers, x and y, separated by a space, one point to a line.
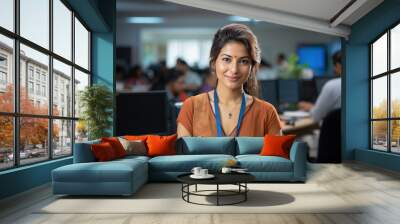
380 127
33 131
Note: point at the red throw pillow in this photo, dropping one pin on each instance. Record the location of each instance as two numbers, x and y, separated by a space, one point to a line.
277 145
103 151
161 145
116 145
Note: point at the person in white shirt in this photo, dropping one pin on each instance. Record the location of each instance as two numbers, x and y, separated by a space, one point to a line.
330 96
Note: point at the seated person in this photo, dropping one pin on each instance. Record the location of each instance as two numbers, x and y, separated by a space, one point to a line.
330 96
175 86
232 108
192 80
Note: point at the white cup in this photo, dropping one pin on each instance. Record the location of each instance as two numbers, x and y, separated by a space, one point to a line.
196 170
203 172
226 170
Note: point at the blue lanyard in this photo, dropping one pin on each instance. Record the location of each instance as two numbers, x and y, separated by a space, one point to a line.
218 118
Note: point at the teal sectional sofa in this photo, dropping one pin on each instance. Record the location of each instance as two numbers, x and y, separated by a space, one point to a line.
125 176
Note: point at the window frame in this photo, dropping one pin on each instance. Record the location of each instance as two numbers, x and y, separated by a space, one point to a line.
16 114
388 74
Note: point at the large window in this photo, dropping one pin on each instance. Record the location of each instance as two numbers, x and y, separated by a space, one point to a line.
385 92
44 64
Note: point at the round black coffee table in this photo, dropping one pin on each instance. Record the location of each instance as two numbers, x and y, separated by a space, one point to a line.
238 179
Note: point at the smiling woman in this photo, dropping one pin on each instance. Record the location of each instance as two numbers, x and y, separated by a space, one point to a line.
232 108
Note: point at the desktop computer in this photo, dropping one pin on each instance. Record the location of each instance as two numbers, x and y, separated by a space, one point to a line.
308 91
289 91
142 113
269 91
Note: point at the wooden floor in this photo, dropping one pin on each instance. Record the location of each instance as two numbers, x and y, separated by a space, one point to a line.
377 188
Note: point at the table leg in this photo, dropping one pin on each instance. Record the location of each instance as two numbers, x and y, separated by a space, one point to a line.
217 194
182 190
188 190
245 193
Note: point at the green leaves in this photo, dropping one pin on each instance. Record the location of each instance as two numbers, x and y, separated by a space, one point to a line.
96 102
294 70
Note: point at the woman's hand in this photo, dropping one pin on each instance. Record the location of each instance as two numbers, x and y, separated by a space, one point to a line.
306 106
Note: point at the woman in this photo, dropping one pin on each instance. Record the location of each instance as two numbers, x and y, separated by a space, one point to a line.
232 108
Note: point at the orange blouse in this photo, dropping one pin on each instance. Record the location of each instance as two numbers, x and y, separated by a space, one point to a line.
197 116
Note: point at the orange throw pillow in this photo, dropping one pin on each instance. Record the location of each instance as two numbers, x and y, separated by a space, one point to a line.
161 145
136 137
103 152
277 145
116 145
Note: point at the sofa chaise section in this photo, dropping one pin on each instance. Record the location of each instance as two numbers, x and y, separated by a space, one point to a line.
87 177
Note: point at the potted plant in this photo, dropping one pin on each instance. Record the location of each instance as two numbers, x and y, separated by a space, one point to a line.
294 70
96 104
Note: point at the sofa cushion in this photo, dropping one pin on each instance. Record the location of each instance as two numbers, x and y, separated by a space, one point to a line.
249 145
137 137
132 158
206 145
111 171
257 163
135 147
185 163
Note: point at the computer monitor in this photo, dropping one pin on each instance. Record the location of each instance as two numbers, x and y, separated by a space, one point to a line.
142 113
308 90
269 91
289 91
313 55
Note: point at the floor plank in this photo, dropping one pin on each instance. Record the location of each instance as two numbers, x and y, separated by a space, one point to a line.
376 190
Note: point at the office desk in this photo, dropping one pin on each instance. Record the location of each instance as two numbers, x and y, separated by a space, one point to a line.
301 127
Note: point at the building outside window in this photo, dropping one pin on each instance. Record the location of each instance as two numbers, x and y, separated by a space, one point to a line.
30 72
3 78
59 133
30 87
37 75
3 72
3 61
38 89
43 78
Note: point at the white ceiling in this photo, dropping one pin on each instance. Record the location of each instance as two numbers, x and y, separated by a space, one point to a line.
321 9
325 16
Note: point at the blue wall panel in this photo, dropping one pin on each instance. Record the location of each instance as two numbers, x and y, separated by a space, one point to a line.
356 83
24 178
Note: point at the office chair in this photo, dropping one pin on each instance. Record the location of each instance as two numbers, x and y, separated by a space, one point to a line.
329 144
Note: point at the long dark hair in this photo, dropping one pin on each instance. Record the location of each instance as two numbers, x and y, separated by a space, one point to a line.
242 34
